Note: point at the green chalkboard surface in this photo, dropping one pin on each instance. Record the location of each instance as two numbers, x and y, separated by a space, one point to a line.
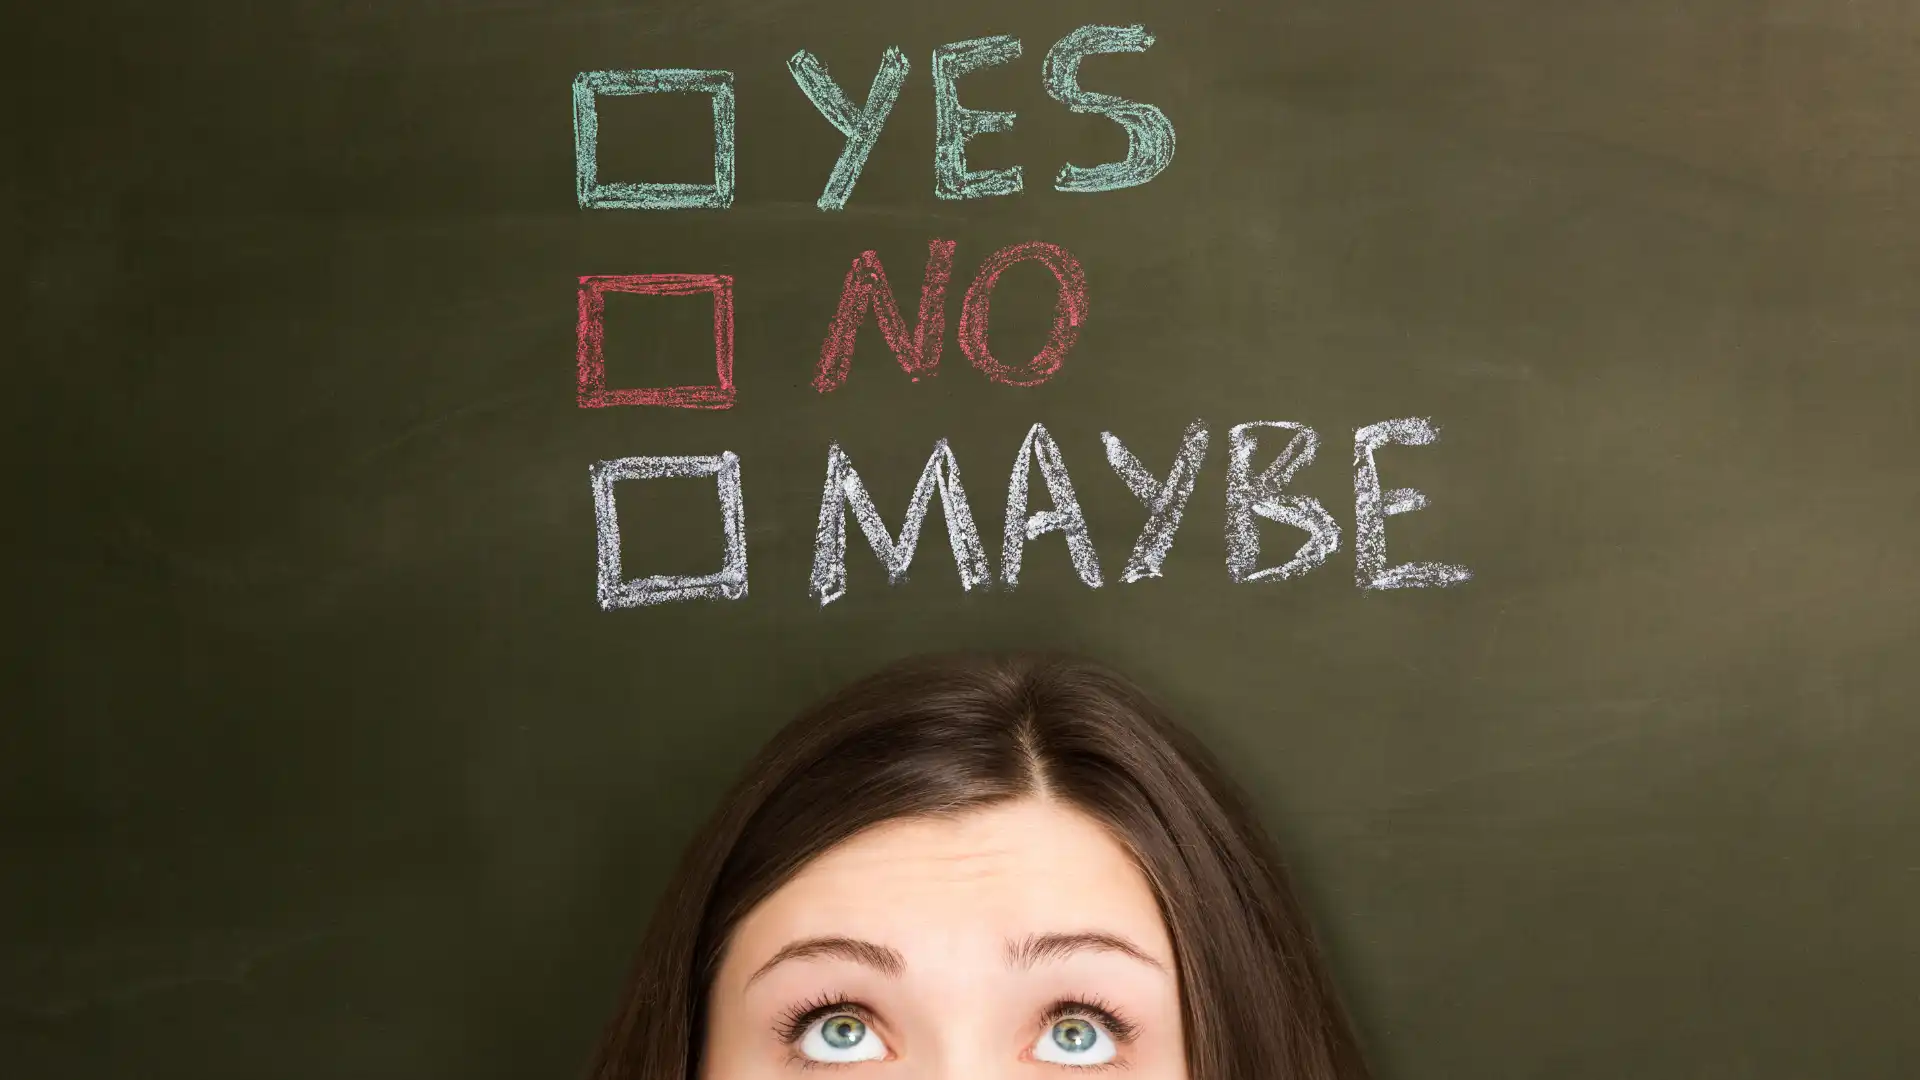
424 411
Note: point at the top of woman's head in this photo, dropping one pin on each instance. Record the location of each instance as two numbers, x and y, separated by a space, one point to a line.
860 810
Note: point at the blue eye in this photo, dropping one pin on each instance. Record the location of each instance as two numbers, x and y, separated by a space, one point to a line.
1075 1040
843 1032
838 1032
840 1038
1074 1034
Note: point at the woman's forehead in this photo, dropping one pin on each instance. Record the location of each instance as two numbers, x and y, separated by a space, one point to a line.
1010 870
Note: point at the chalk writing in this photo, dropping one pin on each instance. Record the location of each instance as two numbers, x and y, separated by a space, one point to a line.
1254 497
1372 507
1150 135
1164 501
590 334
866 287
727 583
1069 312
1065 517
860 125
844 492
954 123
1250 497
594 194
1149 132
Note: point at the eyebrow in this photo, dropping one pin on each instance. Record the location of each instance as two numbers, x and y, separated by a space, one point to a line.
886 961
1039 948
1023 954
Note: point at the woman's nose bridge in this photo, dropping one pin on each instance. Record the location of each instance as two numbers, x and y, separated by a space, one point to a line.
967 1063
973 1047
970 1021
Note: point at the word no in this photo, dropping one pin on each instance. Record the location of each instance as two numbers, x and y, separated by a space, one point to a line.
1251 497
866 289
1149 132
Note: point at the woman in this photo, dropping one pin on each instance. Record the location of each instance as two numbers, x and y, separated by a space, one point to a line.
970 869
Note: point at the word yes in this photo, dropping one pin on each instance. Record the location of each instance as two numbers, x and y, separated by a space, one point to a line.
1150 138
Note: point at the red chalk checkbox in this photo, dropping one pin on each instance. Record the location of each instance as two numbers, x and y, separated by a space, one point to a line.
594 393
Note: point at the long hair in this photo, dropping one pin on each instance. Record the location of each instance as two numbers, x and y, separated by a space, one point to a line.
946 735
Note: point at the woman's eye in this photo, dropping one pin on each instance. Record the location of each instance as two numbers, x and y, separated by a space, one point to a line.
841 1037
1075 1040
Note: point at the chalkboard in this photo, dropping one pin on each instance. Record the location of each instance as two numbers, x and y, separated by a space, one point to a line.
424 412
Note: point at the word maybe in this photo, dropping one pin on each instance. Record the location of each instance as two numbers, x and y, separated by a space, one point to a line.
1251 497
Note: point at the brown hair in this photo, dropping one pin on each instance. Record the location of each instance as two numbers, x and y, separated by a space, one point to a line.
951 734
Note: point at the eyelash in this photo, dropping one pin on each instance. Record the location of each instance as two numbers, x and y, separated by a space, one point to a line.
795 1021
1090 1007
